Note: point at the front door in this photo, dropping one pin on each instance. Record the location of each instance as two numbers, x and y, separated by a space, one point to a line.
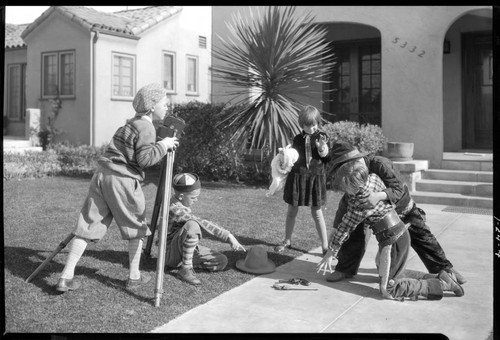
478 91
355 89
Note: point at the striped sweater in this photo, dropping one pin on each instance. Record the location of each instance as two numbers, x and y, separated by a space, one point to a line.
133 148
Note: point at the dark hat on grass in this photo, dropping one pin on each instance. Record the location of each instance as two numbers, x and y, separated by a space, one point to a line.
256 261
186 182
343 152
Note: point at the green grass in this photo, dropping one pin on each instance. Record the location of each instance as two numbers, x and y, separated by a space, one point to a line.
40 213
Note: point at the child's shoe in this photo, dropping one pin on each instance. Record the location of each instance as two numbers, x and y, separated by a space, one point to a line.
133 284
187 274
282 246
63 285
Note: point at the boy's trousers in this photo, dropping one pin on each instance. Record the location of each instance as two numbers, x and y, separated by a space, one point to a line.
423 242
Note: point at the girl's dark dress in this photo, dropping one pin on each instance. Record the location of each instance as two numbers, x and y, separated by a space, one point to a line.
306 186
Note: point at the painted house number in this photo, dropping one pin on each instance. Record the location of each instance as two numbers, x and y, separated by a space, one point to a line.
412 49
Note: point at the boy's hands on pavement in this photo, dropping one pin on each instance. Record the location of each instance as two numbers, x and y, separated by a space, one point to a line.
235 245
170 143
326 263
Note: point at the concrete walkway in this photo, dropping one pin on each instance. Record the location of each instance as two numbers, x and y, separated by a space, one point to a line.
355 306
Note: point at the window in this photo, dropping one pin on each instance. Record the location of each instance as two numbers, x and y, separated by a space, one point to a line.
355 91
192 75
169 71
16 100
123 76
58 73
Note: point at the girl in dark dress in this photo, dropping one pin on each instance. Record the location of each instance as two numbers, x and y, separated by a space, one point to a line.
306 183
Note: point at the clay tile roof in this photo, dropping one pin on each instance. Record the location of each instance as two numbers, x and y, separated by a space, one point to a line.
128 23
13 35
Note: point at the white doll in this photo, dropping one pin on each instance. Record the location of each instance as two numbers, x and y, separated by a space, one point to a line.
281 165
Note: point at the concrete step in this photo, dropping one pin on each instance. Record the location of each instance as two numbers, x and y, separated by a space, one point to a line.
474 161
458 175
452 199
16 143
23 150
483 189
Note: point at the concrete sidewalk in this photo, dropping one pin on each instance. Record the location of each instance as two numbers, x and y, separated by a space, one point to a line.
355 306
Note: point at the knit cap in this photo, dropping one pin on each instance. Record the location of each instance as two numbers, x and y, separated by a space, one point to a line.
186 182
147 97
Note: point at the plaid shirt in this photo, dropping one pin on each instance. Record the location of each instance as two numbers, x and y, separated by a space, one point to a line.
356 214
180 214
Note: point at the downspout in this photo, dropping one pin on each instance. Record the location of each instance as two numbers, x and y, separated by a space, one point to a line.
95 37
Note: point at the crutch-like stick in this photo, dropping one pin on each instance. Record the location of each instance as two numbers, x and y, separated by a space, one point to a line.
156 209
60 247
171 127
160 264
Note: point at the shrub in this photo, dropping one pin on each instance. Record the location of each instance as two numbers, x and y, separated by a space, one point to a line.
366 137
31 164
204 148
78 160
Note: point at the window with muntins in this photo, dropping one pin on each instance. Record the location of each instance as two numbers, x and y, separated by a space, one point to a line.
58 74
169 71
123 76
192 75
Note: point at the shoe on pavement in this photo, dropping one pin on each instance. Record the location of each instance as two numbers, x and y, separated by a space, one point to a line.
133 284
457 276
449 284
282 246
63 285
187 274
337 276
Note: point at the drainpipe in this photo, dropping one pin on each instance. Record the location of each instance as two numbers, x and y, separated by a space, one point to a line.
95 37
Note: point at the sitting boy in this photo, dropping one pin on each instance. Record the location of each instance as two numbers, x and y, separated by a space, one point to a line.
353 178
184 233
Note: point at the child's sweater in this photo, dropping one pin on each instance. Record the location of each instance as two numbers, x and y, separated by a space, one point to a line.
179 214
356 214
133 148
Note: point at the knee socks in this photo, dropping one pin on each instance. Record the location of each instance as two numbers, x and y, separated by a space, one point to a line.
188 247
76 250
134 258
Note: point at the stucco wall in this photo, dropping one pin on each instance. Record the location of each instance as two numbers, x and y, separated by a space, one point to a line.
412 65
73 117
178 34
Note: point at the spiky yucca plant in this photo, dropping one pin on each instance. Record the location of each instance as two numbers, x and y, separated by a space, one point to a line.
270 58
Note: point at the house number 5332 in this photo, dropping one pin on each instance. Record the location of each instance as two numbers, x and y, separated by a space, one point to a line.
411 49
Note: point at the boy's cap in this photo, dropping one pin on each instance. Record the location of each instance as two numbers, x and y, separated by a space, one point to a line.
343 152
186 182
147 97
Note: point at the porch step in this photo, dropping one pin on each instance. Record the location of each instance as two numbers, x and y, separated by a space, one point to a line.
455 187
482 189
472 161
453 199
19 145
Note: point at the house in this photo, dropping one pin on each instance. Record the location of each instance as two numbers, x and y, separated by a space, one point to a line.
423 73
95 62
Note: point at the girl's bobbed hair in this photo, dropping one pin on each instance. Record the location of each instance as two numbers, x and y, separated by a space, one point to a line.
309 115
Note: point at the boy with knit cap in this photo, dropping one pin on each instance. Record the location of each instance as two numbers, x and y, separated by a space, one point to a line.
184 233
115 189
352 177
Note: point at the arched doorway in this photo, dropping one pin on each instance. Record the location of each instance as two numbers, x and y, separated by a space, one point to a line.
355 90
468 83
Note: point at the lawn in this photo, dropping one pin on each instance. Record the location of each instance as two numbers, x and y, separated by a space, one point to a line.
40 213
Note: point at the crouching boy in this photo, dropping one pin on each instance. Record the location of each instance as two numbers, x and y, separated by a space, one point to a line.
351 176
185 232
